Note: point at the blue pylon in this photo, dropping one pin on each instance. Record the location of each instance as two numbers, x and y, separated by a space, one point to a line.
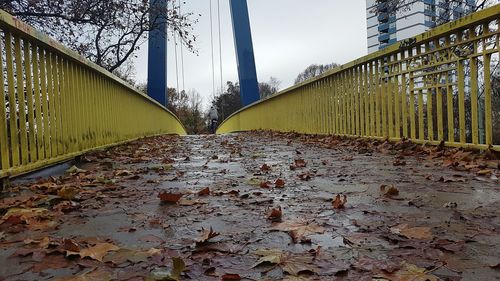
244 51
157 52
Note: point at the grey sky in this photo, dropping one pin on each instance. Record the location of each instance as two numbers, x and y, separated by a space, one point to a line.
288 35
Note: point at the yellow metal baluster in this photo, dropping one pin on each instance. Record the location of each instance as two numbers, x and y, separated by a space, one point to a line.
30 105
4 146
14 132
21 107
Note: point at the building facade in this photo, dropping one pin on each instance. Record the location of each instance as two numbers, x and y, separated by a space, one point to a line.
389 27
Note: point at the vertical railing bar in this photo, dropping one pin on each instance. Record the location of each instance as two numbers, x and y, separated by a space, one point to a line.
21 96
4 146
29 95
14 133
38 103
430 99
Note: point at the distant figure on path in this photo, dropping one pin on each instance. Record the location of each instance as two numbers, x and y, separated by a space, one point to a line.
214 118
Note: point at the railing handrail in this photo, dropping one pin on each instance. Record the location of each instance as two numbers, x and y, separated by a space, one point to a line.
18 26
490 13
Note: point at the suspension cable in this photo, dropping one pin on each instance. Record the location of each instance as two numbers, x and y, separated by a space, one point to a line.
176 57
182 53
212 47
220 60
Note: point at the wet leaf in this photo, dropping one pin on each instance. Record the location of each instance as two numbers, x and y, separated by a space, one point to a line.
75 170
339 202
96 252
299 231
279 183
265 168
70 245
420 233
171 198
206 234
204 192
486 172
389 190
305 176
68 192
408 272
290 263
122 173
275 215
229 277
178 267
265 184
300 163
348 158
254 181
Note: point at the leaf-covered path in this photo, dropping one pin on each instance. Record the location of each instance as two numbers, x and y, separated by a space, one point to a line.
257 206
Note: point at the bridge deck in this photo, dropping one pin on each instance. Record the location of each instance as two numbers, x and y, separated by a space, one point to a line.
443 221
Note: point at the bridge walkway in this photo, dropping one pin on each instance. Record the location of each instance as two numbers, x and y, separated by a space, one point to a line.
411 212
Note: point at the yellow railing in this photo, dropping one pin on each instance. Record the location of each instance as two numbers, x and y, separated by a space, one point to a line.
58 105
431 88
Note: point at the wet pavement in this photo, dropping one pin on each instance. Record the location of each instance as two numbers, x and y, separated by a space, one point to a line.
257 206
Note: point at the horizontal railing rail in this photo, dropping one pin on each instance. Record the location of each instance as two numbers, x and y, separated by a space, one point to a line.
58 104
440 86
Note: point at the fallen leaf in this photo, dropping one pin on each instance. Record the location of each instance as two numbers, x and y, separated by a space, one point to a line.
265 184
265 168
75 170
169 197
300 163
408 272
122 173
305 176
290 263
485 172
398 162
279 183
68 192
275 215
348 158
389 190
299 231
70 245
229 277
206 234
96 252
421 232
204 192
338 202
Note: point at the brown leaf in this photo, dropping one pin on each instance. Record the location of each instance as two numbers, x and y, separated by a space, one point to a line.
279 183
204 192
409 272
338 202
96 252
300 163
348 158
265 184
169 197
206 234
290 263
420 233
229 277
68 192
275 215
389 190
399 162
484 172
265 168
298 230
70 245
305 176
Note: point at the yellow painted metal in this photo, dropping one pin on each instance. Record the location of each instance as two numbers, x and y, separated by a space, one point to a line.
4 145
61 105
403 85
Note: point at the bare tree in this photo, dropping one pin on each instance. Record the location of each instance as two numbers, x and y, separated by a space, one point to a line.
314 70
107 32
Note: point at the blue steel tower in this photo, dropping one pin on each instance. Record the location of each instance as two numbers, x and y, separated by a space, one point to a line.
244 52
157 52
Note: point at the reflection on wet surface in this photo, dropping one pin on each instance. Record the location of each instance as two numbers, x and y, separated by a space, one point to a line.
431 229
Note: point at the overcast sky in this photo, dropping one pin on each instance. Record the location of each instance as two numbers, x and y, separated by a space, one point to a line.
288 35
